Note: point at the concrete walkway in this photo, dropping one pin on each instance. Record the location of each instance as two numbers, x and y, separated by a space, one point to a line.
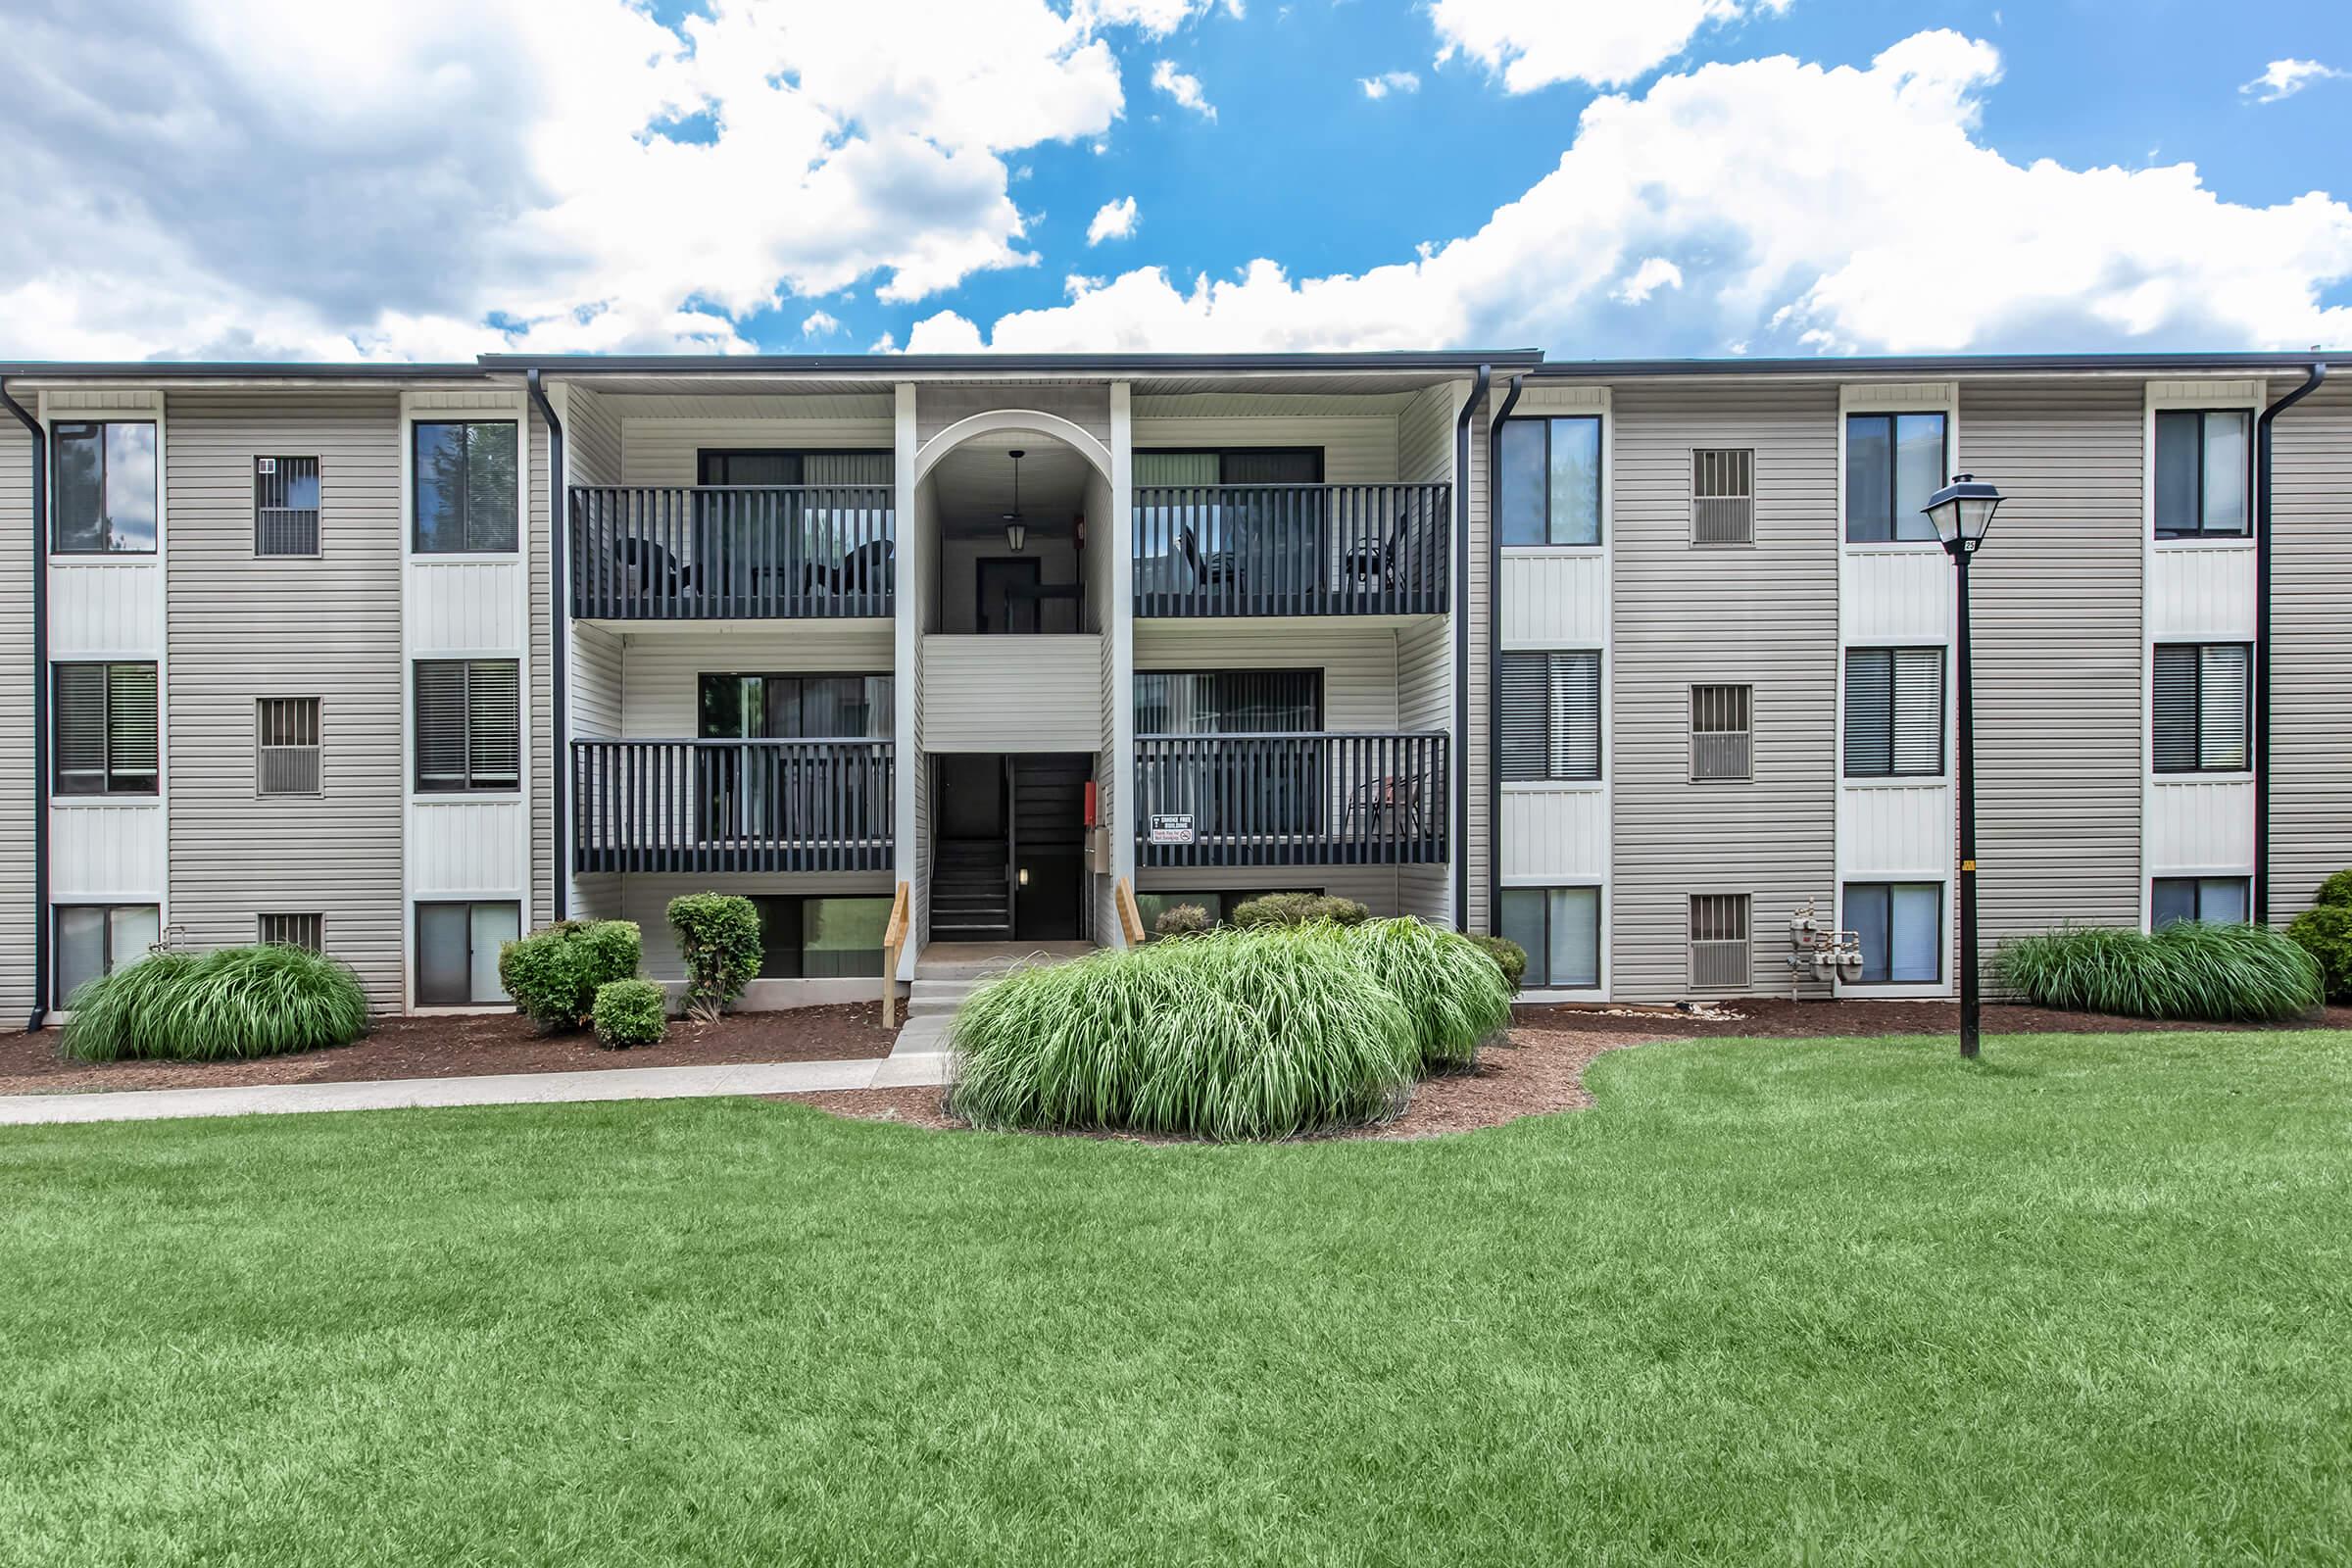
899 1070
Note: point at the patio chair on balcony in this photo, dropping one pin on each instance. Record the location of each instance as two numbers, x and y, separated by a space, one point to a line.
1389 803
648 571
866 569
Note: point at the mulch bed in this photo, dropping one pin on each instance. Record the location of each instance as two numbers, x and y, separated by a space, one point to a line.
467 1045
1779 1018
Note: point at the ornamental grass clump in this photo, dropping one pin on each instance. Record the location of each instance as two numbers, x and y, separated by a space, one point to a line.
2189 969
1231 1035
1457 993
223 1005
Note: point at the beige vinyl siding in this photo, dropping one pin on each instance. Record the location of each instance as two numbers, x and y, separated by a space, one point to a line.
537 719
2055 601
1424 703
2311 645
1014 694
661 672
1477 595
1376 887
1087 405
240 628
595 683
1359 663
1357 449
1765 616
16 783
1101 911
592 438
1425 435
661 438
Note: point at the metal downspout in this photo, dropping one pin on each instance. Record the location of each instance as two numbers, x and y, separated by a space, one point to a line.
1461 647
1510 401
559 525
2261 639
41 709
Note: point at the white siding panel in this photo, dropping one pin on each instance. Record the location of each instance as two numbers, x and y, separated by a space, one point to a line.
665 451
1552 834
1355 450
1013 694
110 610
1359 663
2201 825
1554 600
465 848
2202 592
662 670
1898 596
463 606
104 851
1894 829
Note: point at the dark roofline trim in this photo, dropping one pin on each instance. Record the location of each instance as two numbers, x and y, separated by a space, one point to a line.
2250 362
1465 360
195 370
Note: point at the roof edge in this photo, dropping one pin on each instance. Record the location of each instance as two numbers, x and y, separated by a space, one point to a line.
2256 360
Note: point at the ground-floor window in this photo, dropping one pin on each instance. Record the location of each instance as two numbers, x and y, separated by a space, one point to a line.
1219 903
1901 927
2217 899
457 951
820 938
92 939
1560 929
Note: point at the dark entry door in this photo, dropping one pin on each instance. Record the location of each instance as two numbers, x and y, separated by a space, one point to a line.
1009 593
972 796
1049 843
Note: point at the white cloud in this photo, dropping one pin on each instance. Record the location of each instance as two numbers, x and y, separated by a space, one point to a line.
1654 274
1186 90
1157 18
438 164
1534 43
1113 220
1078 283
2283 78
819 323
1388 82
1790 200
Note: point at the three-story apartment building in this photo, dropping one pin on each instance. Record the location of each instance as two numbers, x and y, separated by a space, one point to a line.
1631 662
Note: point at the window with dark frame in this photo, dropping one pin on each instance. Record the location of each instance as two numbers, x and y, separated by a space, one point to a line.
821 937
1559 930
1893 712
1893 462
286 749
468 724
1719 955
1900 925
2204 473
1228 702
1722 746
106 492
2203 720
1220 466
793 465
285 506
795 707
96 939
104 729
1549 708
1549 481
457 951
466 481
2213 899
1723 496
305 931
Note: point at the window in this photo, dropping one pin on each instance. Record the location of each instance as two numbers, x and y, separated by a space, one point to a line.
1723 496
456 951
2203 721
771 465
2214 900
467 483
1230 465
287 746
1228 702
95 939
1561 930
796 708
1719 955
1893 712
1551 704
2204 474
306 931
106 489
820 939
1901 927
1551 481
103 722
285 506
468 724
1893 462
1719 732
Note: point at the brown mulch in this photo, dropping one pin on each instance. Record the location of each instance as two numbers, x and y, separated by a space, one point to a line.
467 1045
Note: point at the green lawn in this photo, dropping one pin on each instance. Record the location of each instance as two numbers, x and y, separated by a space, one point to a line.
1846 1302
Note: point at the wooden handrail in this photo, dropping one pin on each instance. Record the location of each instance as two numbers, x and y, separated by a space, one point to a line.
1131 919
894 943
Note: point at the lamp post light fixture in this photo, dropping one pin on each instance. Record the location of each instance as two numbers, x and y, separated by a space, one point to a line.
1962 513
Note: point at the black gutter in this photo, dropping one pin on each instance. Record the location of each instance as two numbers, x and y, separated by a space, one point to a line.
1461 649
2314 374
903 365
41 707
559 524
1510 401
2249 364
238 369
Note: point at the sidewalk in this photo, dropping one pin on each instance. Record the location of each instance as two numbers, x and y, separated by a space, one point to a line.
900 1070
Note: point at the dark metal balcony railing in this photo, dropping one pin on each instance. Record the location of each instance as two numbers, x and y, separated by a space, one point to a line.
732 805
1291 549
732 551
1291 800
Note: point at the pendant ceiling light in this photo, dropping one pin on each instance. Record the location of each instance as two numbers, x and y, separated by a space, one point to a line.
1017 528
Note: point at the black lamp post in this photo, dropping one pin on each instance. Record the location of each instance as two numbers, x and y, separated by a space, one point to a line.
1962 511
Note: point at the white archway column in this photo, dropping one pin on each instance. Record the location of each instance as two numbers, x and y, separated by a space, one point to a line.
911 577
1119 622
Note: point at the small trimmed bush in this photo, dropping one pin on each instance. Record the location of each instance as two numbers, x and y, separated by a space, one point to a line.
1299 908
1454 992
2217 973
630 1013
2335 891
2325 931
1231 1035
1508 955
553 974
718 937
1183 920
228 1005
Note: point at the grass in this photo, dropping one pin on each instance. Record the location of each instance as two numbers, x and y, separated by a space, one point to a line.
2091 1301
226 1005
2189 969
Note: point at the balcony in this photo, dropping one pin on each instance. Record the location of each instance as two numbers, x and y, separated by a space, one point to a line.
731 805
1292 550
1325 799
732 551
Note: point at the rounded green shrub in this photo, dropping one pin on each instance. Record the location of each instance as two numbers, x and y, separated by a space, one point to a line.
1299 908
1454 992
1183 920
1232 1035
553 974
2188 970
223 1005
630 1013
1508 955
2325 931
2337 890
718 937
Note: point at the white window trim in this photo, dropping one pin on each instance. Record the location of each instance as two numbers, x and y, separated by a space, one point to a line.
1947 948
1589 994
1897 397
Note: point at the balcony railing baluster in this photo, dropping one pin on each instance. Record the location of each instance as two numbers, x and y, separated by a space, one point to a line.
1328 798
733 551
1292 550
732 805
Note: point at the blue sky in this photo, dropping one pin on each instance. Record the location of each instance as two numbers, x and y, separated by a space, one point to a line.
1711 177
